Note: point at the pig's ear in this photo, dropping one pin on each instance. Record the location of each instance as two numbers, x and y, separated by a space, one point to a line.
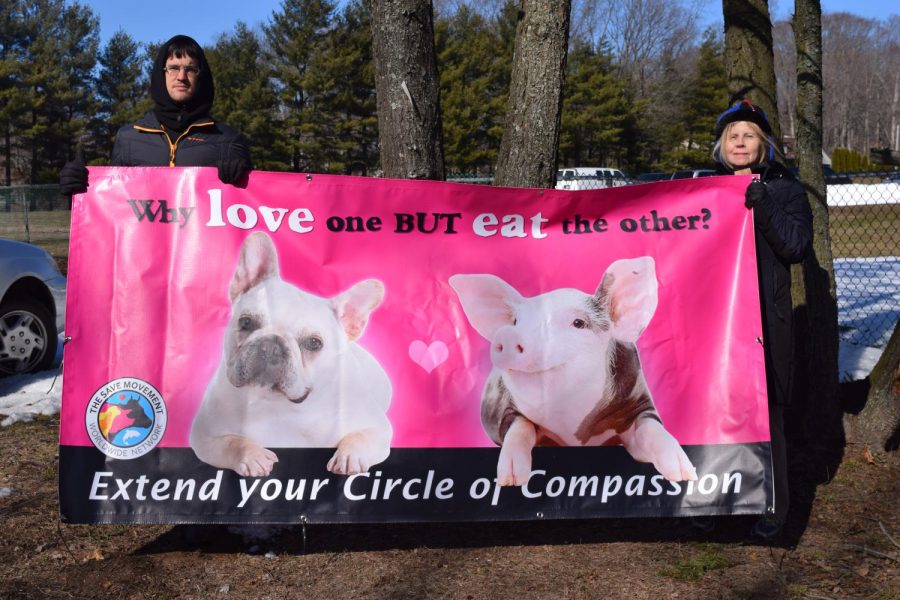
630 290
258 261
488 301
354 306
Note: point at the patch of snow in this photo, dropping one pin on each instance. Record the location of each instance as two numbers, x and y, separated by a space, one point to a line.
22 397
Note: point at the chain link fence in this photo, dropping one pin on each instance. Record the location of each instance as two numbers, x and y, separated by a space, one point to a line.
864 222
37 214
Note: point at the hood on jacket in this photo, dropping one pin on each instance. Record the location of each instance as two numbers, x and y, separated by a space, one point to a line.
174 116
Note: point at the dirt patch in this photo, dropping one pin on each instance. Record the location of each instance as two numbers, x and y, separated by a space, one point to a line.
841 543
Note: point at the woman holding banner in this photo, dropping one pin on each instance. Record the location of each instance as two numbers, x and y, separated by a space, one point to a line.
782 220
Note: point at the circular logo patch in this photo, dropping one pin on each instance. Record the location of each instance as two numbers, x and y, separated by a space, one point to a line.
126 418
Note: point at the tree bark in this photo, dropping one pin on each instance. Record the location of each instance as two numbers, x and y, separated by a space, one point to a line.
530 141
819 409
879 422
407 89
749 61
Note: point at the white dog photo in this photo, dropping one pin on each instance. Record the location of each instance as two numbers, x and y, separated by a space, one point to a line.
292 374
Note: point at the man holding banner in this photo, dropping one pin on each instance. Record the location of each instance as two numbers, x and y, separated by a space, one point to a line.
178 131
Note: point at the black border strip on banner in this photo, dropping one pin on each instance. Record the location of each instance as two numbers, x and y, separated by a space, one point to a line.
169 485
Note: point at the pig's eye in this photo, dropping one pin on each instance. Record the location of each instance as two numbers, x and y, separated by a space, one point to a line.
579 324
246 323
312 344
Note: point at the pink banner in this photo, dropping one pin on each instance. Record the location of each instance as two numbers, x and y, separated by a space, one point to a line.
374 315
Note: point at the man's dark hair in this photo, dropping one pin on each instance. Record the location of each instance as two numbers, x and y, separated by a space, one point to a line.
181 46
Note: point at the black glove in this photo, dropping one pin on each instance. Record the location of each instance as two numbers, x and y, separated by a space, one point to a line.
756 194
233 170
73 177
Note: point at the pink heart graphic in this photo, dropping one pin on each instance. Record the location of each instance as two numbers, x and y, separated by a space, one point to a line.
428 357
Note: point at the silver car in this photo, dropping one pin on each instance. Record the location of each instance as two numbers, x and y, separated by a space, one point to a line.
32 308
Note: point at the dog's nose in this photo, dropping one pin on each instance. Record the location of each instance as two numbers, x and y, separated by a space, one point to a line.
262 362
272 350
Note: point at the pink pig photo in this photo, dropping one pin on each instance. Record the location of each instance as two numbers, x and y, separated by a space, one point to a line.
566 370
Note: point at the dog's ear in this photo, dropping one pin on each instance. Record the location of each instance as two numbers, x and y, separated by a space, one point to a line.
354 306
630 291
258 261
488 301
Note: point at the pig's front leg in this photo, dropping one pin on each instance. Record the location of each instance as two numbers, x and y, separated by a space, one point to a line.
514 466
648 441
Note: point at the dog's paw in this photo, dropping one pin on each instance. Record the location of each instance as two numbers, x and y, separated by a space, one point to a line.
256 462
513 467
348 462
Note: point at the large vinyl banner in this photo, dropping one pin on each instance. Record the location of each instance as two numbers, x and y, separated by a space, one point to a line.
317 348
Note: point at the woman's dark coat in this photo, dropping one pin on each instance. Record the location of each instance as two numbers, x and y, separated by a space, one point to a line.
783 224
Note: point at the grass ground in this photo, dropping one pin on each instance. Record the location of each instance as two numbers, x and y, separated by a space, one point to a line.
843 544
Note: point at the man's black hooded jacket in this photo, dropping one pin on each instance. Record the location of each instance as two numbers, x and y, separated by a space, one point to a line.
178 135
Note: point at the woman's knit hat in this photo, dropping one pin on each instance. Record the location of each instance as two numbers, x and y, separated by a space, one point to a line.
744 110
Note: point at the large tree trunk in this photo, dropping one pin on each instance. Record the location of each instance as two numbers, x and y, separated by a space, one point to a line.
878 425
748 56
407 89
530 141
818 412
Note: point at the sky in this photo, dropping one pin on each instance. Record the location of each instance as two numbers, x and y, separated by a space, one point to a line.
205 20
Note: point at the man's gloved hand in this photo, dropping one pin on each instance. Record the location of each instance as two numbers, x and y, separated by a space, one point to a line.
756 194
73 177
233 170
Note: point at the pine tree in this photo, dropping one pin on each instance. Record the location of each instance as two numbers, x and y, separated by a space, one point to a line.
475 63
245 96
293 35
706 98
59 45
597 110
341 131
14 107
121 90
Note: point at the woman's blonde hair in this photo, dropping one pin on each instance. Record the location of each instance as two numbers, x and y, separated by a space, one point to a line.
766 149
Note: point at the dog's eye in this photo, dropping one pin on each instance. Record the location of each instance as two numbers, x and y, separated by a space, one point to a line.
312 343
247 324
579 324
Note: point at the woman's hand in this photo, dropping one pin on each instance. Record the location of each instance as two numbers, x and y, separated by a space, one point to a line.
756 194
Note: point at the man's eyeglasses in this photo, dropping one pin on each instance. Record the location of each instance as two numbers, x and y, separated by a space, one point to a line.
173 70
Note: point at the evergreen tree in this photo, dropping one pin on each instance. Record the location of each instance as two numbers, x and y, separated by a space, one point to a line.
475 63
705 99
293 36
121 92
597 110
57 82
14 106
245 96
341 129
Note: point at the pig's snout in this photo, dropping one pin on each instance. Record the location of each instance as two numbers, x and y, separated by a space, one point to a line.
262 362
509 350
